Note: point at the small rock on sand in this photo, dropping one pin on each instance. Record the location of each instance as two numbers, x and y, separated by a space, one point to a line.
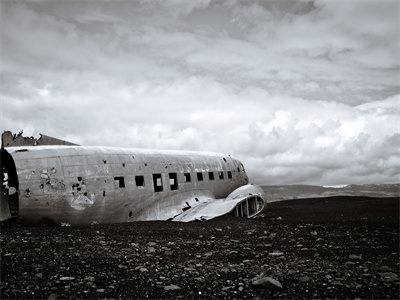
304 279
275 253
171 287
53 296
388 276
67 278
354 256
267 282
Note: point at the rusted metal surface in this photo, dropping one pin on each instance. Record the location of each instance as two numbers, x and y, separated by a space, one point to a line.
85 185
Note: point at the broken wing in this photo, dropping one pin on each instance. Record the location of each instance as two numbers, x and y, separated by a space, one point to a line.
246 201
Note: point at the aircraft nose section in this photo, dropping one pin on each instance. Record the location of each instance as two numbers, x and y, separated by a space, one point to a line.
245 179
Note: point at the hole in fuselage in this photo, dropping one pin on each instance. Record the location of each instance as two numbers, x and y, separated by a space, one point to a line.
9 184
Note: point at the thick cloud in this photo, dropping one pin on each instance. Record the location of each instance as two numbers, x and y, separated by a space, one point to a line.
301 92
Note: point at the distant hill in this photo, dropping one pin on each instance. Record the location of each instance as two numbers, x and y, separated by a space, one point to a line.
289 192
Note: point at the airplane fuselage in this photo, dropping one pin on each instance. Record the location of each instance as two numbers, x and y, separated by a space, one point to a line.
84 185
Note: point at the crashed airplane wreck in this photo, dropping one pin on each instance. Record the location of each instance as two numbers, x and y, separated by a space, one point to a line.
50 181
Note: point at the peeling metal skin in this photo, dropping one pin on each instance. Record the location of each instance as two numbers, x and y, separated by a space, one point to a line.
81 185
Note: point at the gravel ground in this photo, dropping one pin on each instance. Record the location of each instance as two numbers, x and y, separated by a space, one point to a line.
340 247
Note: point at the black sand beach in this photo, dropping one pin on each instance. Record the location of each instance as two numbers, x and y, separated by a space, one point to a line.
339 247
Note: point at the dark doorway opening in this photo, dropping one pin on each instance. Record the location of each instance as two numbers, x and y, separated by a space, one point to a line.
9 187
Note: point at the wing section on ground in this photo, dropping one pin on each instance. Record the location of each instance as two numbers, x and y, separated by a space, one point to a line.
246 201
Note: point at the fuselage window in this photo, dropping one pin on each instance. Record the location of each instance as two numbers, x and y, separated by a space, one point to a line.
211 175
173 181
157 182
199 176
221 175
119 182
238 169
229 174
139 180
187 177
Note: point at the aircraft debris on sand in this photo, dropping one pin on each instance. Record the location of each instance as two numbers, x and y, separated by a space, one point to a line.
50 181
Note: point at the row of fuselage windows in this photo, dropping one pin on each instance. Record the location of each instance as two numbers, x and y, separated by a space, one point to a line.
173 179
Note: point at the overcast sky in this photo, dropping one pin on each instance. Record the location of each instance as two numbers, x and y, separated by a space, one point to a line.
301 92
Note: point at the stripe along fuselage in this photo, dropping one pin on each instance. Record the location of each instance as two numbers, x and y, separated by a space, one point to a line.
84 185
